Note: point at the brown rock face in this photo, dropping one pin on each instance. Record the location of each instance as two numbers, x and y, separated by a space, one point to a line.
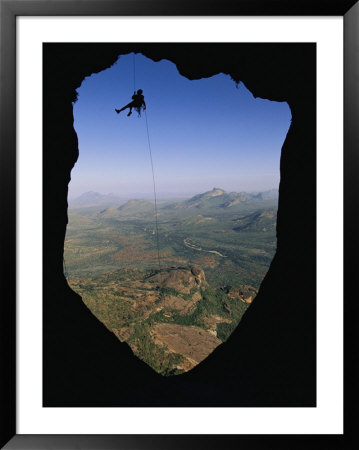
198 274
181 279
193 343
245 294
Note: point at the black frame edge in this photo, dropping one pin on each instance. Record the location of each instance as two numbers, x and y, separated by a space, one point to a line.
8 235
351 213
180 7
8 12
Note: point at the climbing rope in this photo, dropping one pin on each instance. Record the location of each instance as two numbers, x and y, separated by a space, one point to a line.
134 72
153 172
154 193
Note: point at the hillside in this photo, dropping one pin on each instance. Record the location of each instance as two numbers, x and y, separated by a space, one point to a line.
131 208
136 206
218 200
172 318
175 296
263 220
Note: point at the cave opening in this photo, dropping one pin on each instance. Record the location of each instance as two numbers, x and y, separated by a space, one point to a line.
205 133
279 72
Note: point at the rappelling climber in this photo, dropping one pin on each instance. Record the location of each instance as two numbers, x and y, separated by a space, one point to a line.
138 102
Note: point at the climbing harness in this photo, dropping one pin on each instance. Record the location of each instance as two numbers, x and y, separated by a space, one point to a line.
137 108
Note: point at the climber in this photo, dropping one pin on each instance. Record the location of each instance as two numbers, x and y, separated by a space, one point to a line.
138 102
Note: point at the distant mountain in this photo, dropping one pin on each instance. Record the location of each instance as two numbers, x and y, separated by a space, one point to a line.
134 207
215 192
272 194
92 198
216 202
264 220
218 198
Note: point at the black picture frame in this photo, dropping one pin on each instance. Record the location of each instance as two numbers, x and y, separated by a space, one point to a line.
9 10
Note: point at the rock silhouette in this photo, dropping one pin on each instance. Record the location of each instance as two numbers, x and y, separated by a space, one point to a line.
269 360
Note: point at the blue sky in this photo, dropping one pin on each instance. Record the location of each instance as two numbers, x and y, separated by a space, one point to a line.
204 133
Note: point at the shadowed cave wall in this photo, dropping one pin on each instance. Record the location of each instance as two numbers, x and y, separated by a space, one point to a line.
270 359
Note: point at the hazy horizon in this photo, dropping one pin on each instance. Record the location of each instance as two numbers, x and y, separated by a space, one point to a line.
164 195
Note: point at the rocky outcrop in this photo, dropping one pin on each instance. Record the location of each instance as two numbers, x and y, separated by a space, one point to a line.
245 294
181 279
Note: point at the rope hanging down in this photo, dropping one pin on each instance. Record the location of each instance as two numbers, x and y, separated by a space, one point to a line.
154 193
153 172
134 72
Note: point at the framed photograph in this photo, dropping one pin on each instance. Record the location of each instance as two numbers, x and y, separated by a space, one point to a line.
174 191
